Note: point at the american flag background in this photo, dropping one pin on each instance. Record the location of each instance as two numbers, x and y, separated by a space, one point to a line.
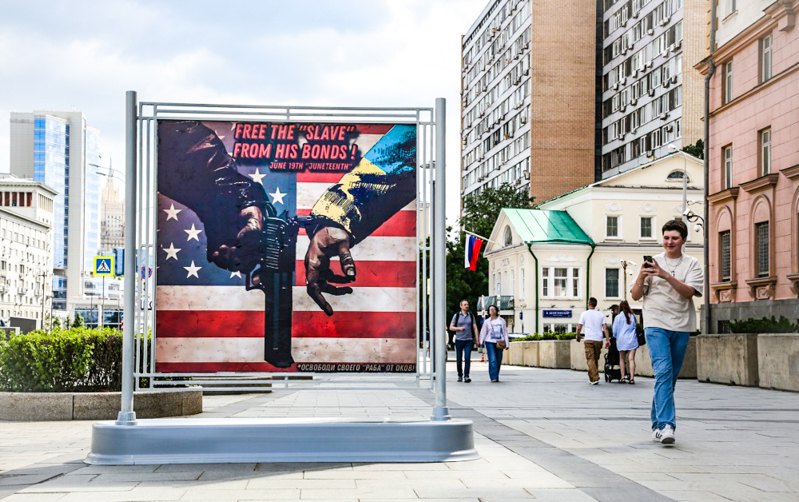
207 322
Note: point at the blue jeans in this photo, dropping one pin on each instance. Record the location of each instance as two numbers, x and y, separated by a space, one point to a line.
494 360
463 348
667 351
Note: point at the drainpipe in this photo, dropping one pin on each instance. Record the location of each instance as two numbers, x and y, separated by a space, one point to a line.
711 69
535 259
588 273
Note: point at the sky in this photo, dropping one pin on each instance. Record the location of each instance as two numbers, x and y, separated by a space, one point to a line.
82 55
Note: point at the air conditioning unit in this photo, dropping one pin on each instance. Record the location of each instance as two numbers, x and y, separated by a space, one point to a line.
523 119
666 84
624 51
635 14
671 48
650 31
623 80
527 71
634 101
674 79
518 181
669 128
616 86
678 43
651 92
635 73
664 116
622 108
650 153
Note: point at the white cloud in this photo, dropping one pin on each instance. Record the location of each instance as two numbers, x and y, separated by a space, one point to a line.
85 55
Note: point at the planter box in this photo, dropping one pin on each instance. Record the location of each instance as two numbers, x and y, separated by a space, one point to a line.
728 359
643 363
529 352
577 351
555 353
778 361
44 406
514 356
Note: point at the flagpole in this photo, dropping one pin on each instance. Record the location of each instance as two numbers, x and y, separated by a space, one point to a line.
479 236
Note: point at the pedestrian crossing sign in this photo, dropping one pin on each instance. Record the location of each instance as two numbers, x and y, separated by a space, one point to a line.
104 266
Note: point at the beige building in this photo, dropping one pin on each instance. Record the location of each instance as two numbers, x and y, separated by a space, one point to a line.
521 123
26 263
589 242
112 216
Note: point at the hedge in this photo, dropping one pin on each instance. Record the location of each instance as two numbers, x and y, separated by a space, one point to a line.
546 336
74 360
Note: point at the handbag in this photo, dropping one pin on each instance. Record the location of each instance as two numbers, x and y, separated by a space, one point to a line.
501 345
641 339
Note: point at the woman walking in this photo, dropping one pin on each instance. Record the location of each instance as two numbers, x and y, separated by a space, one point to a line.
624 330
494 337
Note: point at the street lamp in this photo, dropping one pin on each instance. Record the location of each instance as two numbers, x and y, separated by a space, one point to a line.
674 148
624 264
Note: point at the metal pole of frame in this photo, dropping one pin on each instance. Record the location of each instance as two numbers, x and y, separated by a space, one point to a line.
440 412
126 414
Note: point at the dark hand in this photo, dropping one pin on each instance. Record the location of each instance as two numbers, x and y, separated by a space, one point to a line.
326 243
244 253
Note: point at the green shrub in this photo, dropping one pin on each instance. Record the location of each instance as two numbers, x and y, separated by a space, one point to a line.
76 360
764 325
545 336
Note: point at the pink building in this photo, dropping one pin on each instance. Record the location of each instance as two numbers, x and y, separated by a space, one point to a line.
753 187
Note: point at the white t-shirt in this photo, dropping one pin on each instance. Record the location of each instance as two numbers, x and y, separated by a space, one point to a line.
664 307
592 321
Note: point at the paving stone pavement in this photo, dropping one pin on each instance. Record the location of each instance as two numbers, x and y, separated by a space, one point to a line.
541 434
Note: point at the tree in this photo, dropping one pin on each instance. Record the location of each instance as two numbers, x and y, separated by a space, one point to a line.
78 322
480 212
697 149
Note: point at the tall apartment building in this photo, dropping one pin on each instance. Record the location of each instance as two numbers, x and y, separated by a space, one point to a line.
62 151
753 165
112 216
651 97
528 97
26 263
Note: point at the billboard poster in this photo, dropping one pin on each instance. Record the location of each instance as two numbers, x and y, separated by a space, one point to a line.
286 246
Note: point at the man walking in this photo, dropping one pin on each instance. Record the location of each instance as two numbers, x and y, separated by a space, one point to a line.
595 330
668 284
465 327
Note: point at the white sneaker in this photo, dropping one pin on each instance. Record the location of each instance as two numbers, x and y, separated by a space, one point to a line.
667 435
656 435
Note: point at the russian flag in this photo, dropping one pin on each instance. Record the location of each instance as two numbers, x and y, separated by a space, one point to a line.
473 246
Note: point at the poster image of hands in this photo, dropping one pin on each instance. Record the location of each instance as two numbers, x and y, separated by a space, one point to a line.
286 247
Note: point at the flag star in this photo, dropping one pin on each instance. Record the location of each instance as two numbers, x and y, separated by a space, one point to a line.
172 213
277 196
257 176
235 274
193 233
192 270
171 251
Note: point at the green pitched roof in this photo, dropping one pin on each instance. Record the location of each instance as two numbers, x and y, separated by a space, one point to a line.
540 225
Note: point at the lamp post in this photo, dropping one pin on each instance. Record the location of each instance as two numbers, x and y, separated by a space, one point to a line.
624 264
674 148
43 275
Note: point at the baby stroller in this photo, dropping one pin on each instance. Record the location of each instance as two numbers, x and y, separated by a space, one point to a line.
612 368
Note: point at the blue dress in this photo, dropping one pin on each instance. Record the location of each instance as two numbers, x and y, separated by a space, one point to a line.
626 338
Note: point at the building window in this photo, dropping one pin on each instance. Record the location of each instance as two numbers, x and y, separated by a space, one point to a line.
765 151
646 227
765 58
726 167
725 258
611 283
508 237
612 226
726 85
560 282
761 249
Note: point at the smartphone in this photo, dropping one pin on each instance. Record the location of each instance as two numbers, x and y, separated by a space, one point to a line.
647 258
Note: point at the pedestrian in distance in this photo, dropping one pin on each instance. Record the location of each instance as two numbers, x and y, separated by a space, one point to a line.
595 331
494 337
624 330
667 283
464 325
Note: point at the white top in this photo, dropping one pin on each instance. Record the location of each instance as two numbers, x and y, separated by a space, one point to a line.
592 321
494 330
664 307
625 334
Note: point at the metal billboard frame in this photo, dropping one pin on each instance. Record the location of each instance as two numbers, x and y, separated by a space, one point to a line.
141 202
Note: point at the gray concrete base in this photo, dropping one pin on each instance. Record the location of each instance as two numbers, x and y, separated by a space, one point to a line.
231 440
